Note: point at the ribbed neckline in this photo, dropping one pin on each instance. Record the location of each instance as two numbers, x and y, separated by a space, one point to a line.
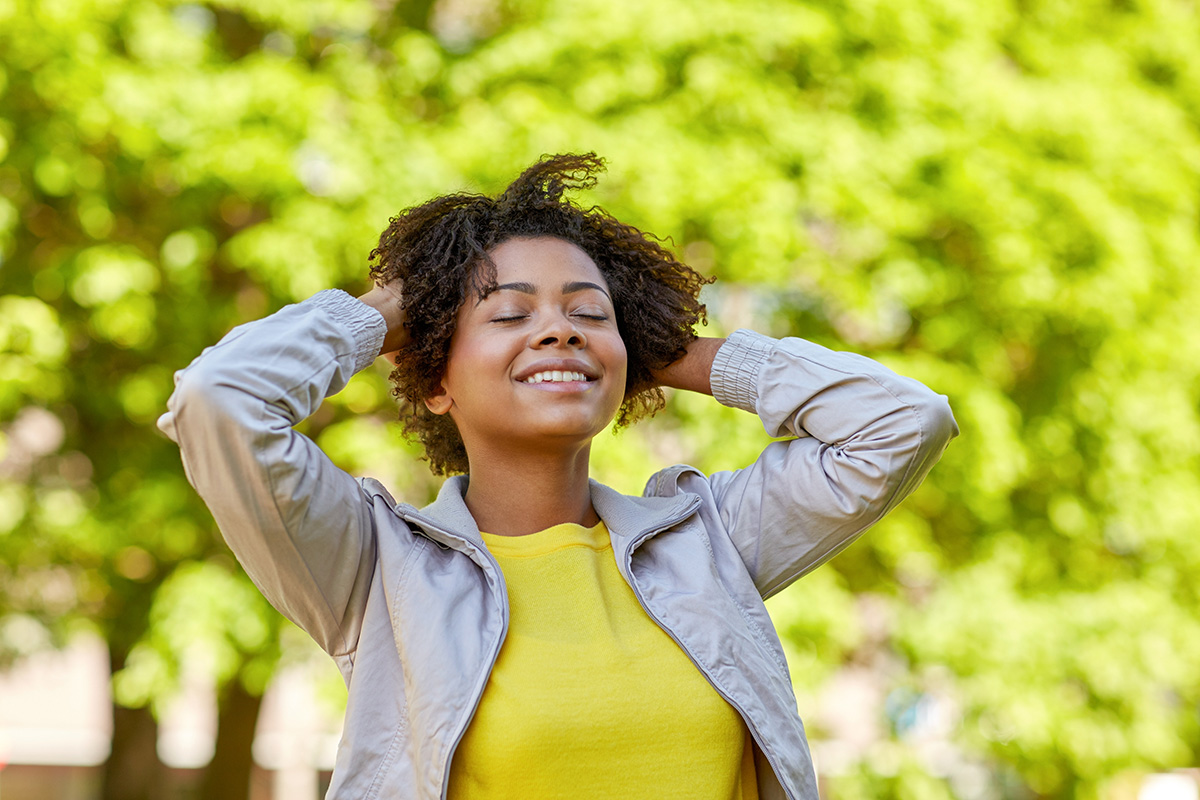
557 537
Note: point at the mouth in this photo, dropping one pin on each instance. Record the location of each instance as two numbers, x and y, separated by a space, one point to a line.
558 376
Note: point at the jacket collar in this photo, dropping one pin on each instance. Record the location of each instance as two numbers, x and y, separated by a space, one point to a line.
449 511
625 516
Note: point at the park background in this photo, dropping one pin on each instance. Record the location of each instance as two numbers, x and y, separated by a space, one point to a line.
1000 198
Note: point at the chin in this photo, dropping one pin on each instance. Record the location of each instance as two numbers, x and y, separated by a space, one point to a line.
584 431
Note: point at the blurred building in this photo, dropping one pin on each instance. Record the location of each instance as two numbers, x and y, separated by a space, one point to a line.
55 725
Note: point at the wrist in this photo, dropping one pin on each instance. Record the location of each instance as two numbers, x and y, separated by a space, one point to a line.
386 300
692 371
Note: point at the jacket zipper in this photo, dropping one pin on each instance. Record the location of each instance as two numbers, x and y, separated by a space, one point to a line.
477 691
643 536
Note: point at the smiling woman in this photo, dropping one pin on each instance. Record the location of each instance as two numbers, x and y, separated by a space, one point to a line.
533 633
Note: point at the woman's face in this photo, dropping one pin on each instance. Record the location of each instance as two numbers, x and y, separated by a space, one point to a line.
538 362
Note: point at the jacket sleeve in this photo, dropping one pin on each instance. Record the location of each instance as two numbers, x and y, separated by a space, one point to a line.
865 438
301 527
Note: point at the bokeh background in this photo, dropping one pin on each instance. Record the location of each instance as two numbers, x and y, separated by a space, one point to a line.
1000 198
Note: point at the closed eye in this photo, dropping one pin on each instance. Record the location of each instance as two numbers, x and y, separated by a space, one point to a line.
515 318
597 317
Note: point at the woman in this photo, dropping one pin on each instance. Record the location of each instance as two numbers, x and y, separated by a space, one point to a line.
533 633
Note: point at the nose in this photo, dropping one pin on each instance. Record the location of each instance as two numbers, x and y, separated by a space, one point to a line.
559 330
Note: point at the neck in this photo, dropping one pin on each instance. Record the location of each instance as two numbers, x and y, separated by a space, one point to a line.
520 494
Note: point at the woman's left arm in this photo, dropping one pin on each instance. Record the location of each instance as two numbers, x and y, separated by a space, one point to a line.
865 438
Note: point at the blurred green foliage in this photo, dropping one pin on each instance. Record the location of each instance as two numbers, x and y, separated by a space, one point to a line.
997 198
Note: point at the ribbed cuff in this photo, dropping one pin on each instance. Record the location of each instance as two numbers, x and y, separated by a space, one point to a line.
734 374
365 324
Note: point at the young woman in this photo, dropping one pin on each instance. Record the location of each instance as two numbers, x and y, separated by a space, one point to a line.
533 633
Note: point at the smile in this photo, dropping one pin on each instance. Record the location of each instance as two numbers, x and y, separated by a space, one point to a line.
556 376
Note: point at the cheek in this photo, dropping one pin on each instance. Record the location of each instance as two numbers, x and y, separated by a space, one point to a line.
456 378
619 360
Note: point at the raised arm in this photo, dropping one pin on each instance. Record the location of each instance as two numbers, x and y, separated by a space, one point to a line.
693 372
301 527
865 438
388 301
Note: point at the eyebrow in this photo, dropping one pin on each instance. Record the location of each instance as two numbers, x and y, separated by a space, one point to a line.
578 286
570 287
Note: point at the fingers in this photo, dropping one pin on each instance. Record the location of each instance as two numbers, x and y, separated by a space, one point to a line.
387 300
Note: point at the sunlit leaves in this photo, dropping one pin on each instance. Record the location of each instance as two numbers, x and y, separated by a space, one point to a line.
32 351
1000 201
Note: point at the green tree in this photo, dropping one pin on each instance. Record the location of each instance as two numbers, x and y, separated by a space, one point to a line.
997 198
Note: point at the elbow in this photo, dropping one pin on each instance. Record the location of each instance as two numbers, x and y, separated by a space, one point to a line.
200 401
934 429
195 395
940 424
918 448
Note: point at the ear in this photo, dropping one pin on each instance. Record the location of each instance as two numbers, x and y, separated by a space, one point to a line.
439 402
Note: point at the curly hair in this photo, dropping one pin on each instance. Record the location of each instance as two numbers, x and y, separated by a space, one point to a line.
439 251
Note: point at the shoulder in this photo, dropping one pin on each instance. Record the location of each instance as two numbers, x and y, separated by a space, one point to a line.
675 480
374 489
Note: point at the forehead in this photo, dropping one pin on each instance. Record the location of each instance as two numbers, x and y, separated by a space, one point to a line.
544 260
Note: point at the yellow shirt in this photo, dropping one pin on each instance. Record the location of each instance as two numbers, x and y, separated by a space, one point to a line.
589 697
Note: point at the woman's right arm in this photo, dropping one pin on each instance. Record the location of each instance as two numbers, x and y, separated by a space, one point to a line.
301 527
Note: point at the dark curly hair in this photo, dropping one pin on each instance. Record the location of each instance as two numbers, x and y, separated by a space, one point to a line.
439 251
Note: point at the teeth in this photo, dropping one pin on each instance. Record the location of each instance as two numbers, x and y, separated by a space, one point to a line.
556 376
